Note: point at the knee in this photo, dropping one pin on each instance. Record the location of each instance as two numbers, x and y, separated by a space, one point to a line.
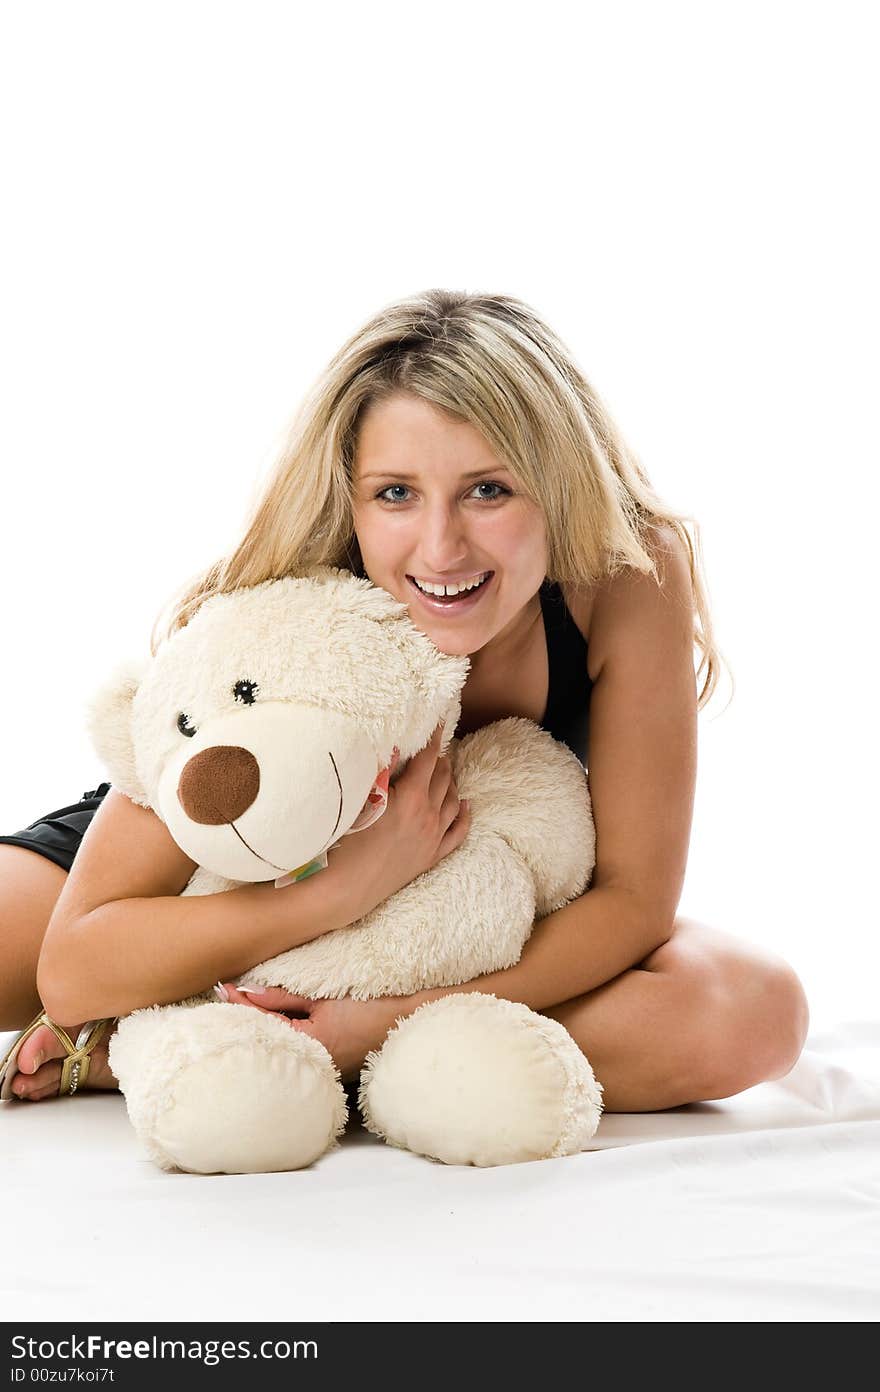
755 1029
793 1014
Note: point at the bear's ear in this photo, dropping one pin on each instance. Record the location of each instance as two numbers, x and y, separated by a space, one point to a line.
109 723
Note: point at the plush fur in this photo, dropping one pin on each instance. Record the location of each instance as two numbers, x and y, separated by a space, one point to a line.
257 733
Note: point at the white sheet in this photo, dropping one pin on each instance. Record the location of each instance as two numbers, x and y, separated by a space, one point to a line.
762 1207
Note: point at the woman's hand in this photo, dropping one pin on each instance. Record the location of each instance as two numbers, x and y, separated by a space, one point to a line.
349 1029
423 822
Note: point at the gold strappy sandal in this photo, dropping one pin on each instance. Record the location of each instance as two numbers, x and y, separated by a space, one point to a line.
74 1067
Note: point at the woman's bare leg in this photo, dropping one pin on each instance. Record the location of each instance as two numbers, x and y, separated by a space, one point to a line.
705 1016
29 888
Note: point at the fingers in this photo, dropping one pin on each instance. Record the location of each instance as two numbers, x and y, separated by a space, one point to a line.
440 784
450 805
274 999
231 994
432 748
431 768
428 756
456 831
462 822
239 998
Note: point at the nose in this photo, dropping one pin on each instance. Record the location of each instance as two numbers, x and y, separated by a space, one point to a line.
219 784
444 545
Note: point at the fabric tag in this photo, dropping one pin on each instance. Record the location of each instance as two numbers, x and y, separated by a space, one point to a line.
377 801
375 805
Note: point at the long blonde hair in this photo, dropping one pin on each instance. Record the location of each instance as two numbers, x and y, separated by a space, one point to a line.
488 360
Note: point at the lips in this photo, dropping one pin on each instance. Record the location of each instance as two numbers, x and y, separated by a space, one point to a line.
457 604
485 575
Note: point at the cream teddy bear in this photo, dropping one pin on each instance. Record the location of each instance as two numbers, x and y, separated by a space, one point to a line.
256 733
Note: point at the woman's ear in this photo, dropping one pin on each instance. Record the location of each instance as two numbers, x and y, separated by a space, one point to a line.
109 723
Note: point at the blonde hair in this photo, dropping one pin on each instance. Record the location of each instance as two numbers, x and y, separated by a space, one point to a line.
488 360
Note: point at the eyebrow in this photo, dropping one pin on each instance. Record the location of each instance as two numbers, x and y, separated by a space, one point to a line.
387 473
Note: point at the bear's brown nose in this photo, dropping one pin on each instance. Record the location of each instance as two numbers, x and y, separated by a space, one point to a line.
219 784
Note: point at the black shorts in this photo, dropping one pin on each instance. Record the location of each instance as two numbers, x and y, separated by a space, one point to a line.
57 835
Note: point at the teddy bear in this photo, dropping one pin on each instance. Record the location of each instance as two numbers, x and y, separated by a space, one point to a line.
259 733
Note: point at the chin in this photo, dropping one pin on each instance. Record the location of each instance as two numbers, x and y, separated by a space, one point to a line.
450 649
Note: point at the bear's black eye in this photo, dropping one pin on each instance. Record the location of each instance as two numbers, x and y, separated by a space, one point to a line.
185 725
246 692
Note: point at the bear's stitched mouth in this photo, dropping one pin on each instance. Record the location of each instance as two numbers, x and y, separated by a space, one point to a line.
328 842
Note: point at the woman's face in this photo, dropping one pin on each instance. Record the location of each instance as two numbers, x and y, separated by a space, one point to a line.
433 503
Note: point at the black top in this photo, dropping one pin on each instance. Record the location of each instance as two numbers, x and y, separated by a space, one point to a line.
567 717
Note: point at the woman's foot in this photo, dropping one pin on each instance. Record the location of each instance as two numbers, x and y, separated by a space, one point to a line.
39 1065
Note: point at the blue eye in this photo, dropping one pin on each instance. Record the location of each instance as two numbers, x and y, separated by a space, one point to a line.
486 483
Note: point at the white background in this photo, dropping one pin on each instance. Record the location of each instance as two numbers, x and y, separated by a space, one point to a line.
203 201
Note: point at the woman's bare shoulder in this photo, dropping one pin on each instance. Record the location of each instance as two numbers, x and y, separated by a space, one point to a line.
601 611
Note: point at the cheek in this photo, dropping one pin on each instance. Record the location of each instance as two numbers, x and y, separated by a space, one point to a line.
363 528
381 534
531 527
517 534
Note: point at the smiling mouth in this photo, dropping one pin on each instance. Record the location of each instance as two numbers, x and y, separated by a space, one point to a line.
327 843
464 598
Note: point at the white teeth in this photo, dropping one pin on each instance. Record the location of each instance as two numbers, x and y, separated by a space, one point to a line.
428 588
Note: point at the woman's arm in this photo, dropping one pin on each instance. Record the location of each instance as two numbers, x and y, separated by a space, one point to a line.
120 937
570 952
643 762
642 775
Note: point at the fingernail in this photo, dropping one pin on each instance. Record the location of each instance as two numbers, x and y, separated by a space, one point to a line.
39 1057
221 992
253 990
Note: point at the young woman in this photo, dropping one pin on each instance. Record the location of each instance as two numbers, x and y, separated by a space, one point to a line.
452 442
